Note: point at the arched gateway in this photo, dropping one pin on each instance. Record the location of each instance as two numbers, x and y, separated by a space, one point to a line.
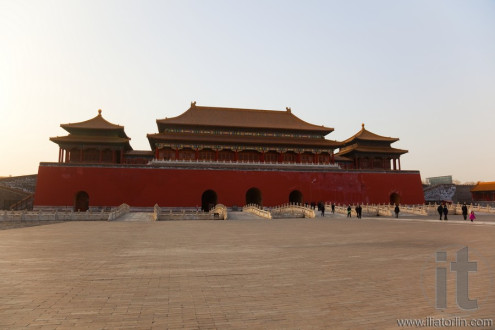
81 201
253 196
208 200
394 198
295 196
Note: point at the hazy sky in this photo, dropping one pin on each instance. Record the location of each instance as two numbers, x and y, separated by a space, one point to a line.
422 71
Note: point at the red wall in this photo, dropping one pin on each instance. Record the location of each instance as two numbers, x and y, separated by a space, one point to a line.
143 187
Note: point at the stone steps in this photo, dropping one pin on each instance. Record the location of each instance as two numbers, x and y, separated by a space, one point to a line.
136 216
242 216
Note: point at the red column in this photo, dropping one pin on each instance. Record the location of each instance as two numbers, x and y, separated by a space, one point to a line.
157 153
395 164
298 157
60 155
333 158
122 156
235 155
262 157
216 155
67 153
280 158
176 154
399 163
196 154
317 158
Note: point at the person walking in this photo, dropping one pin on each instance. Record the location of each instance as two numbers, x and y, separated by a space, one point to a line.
440 210
360 211
464 211
322 209
445 212
333 208
397 210
349 211
472 216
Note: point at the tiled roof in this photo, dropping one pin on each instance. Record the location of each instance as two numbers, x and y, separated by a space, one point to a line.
241 139
370 149
484 186
241 118
89 139
366 135
97 122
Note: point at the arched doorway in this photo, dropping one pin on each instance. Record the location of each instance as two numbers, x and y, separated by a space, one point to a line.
81 201
208 200
253 196
295 196
394 198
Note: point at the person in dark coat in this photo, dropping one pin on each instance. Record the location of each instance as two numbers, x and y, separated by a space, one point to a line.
397 210
360 211
333 207
322 208
349 211
440 210
464 211
445 212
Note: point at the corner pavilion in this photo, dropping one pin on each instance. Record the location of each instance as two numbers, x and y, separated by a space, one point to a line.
210 155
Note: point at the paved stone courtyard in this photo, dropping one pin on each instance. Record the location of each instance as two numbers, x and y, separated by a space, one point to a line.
327 273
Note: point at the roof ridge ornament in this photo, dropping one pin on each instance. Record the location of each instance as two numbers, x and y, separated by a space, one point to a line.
99 112
362 125
288 109
193 104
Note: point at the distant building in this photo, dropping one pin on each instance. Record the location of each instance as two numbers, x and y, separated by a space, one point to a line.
484 192
448 193
446 179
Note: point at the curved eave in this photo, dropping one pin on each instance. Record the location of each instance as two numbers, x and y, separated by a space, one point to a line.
198 116
321 132
484 187
247 140
371 150
96 131
91 140
365 135
94 124
384 139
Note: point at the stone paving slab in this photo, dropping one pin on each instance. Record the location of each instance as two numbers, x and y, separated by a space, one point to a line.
329 273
